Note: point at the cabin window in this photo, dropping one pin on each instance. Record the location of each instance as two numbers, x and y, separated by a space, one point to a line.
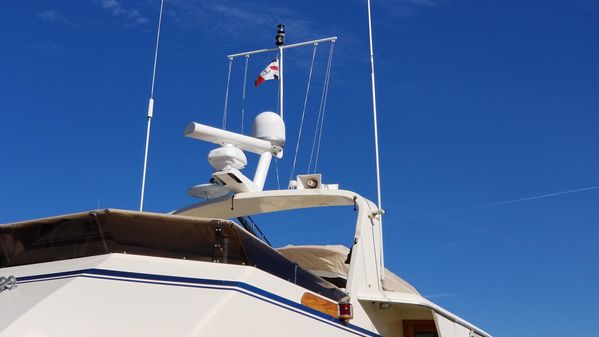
420 328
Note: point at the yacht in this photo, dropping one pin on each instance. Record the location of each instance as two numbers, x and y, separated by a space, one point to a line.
206 269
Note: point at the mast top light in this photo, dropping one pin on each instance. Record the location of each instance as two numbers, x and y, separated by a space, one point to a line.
280 37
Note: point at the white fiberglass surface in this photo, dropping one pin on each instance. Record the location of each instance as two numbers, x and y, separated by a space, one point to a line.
266 202
132 307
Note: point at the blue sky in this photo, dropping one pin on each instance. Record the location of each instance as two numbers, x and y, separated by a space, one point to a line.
483 105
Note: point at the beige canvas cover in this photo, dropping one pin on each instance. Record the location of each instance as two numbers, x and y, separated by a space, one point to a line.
329 261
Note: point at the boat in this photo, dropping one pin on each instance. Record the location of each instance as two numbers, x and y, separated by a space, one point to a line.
206 269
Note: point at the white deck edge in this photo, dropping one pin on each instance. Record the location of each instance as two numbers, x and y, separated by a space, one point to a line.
412 299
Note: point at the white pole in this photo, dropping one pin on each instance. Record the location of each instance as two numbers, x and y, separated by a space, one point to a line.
376 144
150 111
287 46
262 170
281 81
143 177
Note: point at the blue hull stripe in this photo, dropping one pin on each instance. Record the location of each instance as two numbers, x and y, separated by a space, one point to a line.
169 280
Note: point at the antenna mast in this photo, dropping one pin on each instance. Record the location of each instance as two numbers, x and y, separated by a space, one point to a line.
150 111
280 42
376 142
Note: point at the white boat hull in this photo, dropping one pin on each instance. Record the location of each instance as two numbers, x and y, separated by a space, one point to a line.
130 295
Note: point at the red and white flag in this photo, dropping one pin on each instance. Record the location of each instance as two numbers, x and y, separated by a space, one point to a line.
271 72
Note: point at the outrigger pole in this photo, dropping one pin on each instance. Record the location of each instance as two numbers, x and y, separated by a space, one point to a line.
150 111
376 145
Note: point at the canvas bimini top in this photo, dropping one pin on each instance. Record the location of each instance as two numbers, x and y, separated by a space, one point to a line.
170 236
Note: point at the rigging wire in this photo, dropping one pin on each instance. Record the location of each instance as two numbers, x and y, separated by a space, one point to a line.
245 76
324 106
278 91
318 119
299 135
227 94
277 170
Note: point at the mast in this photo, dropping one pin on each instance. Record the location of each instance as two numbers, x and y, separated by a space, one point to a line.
266 156
280 42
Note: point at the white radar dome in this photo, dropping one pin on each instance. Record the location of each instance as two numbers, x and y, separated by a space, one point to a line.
227 157
269 126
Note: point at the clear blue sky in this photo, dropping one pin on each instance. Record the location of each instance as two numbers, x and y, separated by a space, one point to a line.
480 102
